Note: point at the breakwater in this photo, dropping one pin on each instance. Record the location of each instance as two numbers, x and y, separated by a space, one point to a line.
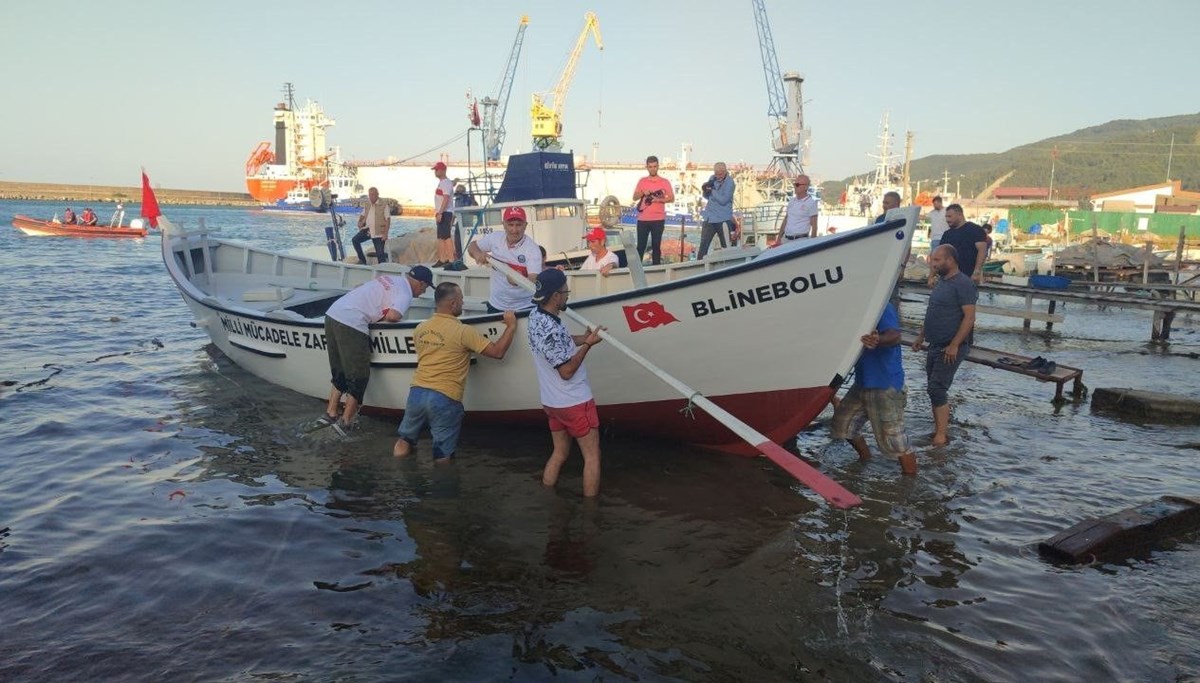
118 193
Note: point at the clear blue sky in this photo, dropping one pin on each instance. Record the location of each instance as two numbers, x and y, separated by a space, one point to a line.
94 90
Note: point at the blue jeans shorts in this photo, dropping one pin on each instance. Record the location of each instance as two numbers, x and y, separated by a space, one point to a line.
442 414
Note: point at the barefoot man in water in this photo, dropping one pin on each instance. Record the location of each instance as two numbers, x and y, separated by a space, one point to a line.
949 320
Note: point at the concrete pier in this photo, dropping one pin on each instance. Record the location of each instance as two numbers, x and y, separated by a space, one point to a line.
1151 406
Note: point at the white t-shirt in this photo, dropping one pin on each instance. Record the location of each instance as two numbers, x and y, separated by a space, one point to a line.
552 346
937 224
443 195
367 303
592 264
799 212
523 256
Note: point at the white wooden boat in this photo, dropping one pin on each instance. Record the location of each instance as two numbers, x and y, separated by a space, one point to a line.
769 336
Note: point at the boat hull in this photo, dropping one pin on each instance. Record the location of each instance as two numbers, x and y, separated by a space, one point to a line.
40 228
801 307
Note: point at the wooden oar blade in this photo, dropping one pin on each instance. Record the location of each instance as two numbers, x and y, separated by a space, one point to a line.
823 486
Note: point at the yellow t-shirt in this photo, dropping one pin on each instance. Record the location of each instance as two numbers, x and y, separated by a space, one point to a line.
444 348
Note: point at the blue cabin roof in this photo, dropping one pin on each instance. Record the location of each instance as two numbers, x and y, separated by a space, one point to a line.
538 175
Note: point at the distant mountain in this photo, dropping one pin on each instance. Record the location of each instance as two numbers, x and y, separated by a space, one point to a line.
1112 156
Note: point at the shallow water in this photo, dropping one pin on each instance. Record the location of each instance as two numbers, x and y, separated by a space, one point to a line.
162 515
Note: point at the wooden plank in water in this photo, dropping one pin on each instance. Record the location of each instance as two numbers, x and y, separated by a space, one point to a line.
1124 534
1152 406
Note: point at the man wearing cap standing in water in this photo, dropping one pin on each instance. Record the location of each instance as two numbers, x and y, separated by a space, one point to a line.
443 205
600 258
348 336
516 250
562 381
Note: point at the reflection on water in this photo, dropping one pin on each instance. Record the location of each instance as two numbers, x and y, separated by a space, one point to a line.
163 514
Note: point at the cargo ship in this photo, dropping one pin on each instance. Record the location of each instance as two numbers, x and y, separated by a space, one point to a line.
299 160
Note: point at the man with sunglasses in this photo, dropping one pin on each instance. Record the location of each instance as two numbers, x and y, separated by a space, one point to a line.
562 381
800 219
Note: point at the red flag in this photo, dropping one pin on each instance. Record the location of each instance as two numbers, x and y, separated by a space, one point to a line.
149 202
649 314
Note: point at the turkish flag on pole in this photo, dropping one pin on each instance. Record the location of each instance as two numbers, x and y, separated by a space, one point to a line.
649 314
149 203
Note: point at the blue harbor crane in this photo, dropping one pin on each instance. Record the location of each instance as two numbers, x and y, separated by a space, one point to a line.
785 108
495 107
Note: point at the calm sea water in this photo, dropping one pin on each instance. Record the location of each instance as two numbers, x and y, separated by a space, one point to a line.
162 517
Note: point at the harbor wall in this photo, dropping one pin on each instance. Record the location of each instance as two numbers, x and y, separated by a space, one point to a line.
1161 227
118 193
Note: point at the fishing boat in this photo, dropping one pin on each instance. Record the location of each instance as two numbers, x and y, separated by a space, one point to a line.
804 305
55 227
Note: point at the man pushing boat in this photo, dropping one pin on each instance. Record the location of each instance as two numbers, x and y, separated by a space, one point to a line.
348 336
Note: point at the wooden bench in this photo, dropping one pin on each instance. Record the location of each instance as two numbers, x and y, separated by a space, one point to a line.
1011 362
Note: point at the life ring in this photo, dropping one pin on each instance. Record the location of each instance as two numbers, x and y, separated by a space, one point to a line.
610 211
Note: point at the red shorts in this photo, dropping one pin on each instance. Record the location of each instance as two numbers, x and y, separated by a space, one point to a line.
577 420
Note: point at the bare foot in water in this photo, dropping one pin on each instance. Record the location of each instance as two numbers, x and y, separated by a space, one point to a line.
939 440
401 449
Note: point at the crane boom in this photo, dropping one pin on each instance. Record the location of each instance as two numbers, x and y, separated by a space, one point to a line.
494 108
547 119
776 100
785 106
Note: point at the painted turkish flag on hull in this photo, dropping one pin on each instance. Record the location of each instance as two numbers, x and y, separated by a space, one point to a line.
649 314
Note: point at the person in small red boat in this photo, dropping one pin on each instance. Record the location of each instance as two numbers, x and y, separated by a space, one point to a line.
88 217
69 216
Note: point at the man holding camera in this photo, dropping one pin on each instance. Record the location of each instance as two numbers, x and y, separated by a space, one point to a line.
718 211
652 195
373 225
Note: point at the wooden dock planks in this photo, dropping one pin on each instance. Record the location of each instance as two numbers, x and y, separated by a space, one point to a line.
1124 534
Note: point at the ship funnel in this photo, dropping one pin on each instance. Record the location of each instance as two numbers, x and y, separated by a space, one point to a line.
281 143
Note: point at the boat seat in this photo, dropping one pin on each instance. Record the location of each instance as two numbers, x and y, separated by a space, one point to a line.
285 314
268 294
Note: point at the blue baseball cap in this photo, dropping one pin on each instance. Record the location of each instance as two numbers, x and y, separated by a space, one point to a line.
549 281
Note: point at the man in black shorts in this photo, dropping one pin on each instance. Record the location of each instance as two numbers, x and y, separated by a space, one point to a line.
443 203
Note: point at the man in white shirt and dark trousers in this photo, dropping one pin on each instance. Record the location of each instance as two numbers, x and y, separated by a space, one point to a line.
562 381
348 335
800 219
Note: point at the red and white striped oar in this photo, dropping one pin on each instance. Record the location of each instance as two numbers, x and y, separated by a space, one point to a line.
804 473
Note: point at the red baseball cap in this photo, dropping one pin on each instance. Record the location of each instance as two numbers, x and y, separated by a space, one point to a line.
514 213
596 234
439 166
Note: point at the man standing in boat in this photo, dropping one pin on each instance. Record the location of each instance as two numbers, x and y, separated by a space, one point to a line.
348 336
515 249
937 223
600 258
800 218
562 381
443 205
652 195
969 242
718 210
878 396
444 348
949 321
373 224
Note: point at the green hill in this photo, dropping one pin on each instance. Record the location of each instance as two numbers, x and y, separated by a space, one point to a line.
1112 156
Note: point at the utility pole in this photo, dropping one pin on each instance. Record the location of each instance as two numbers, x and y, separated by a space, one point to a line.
1053 160
1170 154
908 151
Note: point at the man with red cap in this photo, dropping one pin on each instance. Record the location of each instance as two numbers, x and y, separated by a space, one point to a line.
601 258
443 202
516 250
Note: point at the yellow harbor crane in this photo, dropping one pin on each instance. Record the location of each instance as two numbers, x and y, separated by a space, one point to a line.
547 118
